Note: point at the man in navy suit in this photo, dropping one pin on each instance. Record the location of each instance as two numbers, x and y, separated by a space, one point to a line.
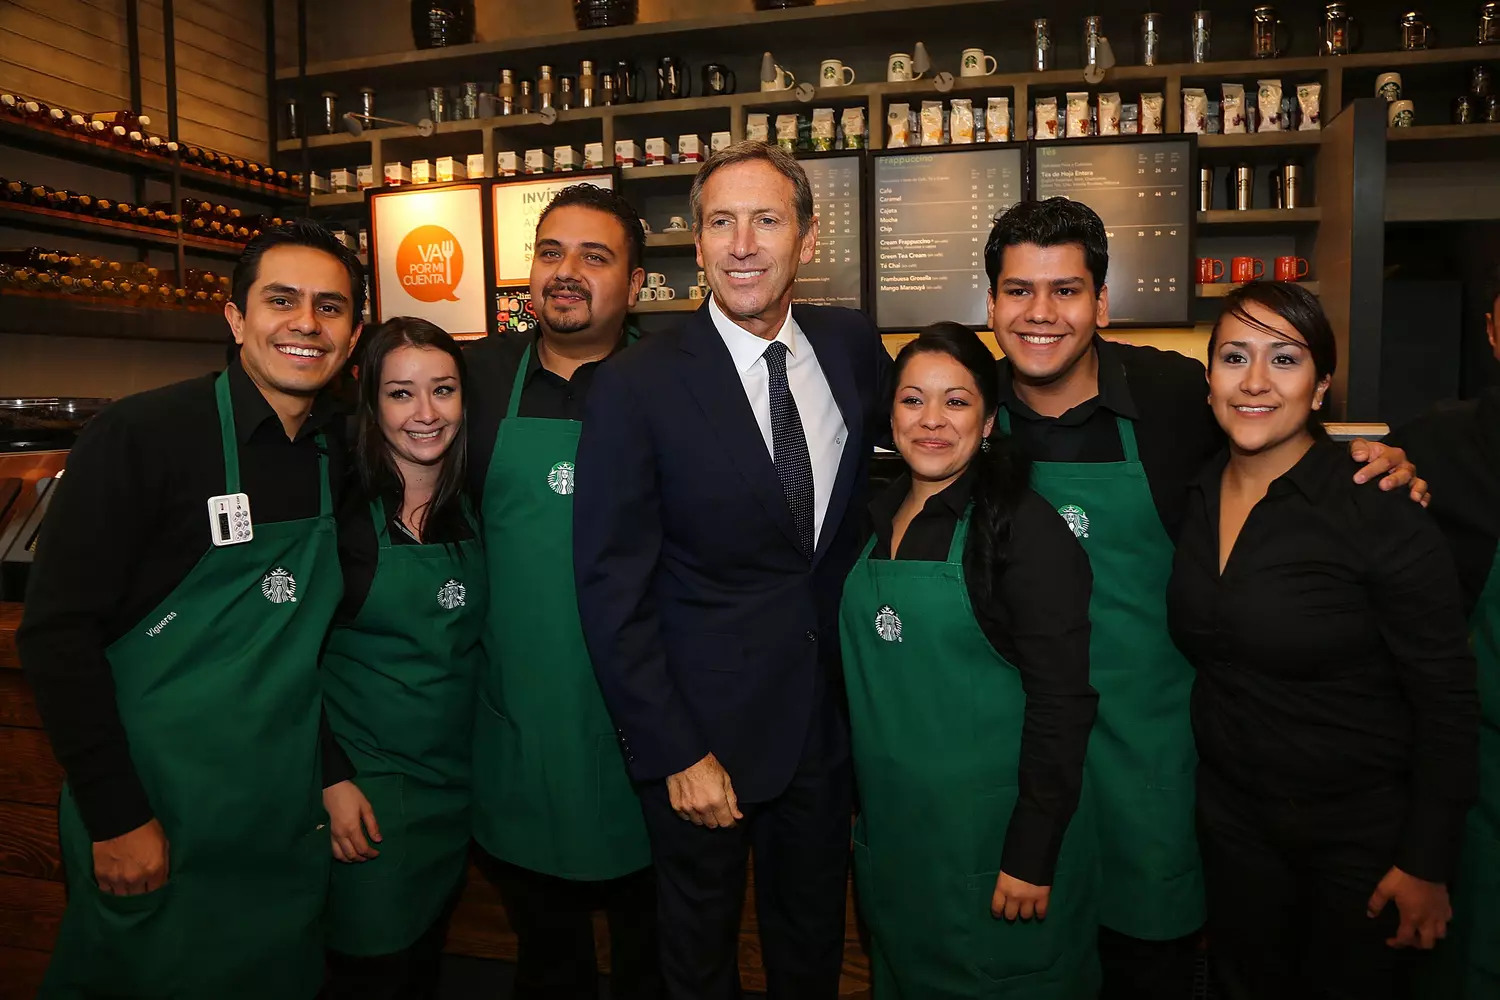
721 473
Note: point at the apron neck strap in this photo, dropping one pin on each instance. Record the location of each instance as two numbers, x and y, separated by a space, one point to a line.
381 519
1127 438
227 433
514 406
232 448
960 536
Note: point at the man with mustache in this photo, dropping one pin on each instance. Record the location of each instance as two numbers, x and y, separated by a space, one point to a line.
554 811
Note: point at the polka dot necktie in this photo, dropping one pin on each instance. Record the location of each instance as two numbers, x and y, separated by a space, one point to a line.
789 447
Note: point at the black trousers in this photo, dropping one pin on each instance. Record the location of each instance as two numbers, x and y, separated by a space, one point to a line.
554 923
410 974
801 844
1135 969
1288 884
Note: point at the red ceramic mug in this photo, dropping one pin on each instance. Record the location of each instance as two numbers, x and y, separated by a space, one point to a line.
1243 269
1291 268
1210 269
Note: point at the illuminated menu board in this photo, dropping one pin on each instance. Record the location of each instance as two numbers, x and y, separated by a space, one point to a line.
835 276
1140 189
932 214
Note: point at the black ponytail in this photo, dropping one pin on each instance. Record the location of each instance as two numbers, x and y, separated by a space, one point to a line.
1001 473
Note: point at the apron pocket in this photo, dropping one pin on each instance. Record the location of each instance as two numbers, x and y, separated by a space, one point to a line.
1010 951
137 942
386 795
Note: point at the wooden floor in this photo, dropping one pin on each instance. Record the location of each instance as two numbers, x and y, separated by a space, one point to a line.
31 886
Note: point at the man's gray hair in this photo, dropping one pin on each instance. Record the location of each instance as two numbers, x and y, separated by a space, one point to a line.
750 151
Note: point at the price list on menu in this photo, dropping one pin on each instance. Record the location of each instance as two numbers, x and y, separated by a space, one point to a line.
1141 192
834 277
933 213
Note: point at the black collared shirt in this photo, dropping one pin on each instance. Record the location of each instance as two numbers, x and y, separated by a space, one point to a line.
492 364
359 547
128 523
1332 654
1036 616
1164 393
1456 447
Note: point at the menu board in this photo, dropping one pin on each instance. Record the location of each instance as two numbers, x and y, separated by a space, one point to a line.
518 205
933 214
427 256
835 277
1141 191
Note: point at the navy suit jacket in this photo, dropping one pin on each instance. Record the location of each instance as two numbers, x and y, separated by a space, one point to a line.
709 629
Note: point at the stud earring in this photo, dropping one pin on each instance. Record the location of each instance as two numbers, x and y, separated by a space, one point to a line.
984 445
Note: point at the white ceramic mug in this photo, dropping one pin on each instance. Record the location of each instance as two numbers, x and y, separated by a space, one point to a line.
1388 85
655 279
975 63
833 74
703 279
898 69
665 293
676 224
647 295
1402 114
784 80
696 292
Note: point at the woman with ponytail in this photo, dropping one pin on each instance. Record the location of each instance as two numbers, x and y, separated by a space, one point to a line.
966 653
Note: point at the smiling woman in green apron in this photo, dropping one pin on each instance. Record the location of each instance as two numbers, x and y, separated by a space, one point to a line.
1334 701
400 669
965 637
183 585
1458 444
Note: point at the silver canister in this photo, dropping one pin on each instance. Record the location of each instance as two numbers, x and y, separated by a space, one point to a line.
468 101
437 104
1093 31
545 88
1205 189
1244 187
328 118
1278 189
606 88
1150 39
1291 179
524 97
567 93
1202 30
291 119
506 92
367 105
1041 44
586 83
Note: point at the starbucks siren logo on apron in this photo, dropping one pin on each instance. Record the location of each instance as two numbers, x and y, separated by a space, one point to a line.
451 595
560 478
279 586
1078 521
888 624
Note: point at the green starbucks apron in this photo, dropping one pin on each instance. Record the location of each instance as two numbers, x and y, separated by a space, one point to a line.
1469 960
1142 758
935 718
218 692
398 682
551 793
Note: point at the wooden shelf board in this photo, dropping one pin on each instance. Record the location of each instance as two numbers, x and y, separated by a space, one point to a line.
1429 133
1260 140
1418 57
105 229
78 316
1259 216
677 305
1220 289
340 198
657 173
662 241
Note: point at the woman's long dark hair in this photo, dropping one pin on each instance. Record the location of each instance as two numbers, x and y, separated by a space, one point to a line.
1002 473
1302 311
378 473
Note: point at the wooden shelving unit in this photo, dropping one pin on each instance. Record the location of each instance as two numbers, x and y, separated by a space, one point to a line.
677 305
660 241
628 174
1260 217
335 200
112 319
51 220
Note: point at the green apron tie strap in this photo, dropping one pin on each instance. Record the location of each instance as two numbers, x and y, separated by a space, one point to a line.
227 434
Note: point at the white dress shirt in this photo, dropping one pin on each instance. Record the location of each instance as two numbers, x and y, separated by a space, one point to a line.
822 423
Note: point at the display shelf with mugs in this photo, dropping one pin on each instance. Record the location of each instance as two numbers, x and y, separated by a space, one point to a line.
1219 290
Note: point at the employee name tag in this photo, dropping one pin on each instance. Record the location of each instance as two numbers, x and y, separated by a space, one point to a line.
229 519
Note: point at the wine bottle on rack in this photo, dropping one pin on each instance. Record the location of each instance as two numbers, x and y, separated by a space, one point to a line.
13 190
80 125
22 256
167 215
128 120
103 208
10 104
